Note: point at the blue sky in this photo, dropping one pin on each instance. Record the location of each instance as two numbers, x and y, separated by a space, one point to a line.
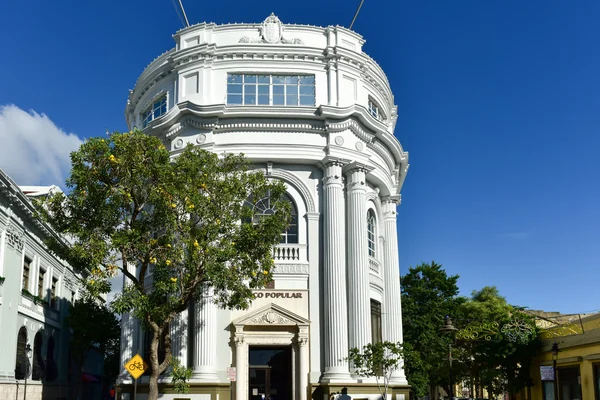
498 105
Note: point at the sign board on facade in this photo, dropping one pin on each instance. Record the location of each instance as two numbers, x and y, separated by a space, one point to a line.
136 366
547 373
231 373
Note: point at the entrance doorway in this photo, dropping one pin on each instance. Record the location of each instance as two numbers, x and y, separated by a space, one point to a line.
270 373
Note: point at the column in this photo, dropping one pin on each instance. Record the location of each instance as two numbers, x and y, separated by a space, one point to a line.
392 308
241 349
312 220
335 311
179 337
205 338
303 381
359 308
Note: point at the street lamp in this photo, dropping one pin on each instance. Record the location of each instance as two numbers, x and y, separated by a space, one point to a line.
449 328
27 367
555 351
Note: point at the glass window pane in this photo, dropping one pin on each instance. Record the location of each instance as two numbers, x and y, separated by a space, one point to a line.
278 100
307 79
249 78
291 79
263 89
234 88
291 100
307 100
163 109
278 79
234 99
234 78
278 89
263 79
249 98
307 90
263 99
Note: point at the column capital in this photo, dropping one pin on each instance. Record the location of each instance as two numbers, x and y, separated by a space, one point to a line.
332 161
356 166
313 216
239 340
393 199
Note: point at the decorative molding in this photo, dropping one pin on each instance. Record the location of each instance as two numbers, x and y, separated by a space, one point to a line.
271 32
297 183
15 238
270 317
302 269
354 127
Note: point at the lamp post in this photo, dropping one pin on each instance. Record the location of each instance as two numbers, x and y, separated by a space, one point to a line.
27 368
449 328
555 351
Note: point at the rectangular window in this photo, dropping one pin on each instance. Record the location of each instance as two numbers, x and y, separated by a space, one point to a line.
26 266
41 292
376 336
270 90
53 298
374 110
158 108
569 383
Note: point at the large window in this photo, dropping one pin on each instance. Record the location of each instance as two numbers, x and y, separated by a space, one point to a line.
158 108
271 90
375 110
371 235
41 277
22 365
53 293
267 207
376 336
26 268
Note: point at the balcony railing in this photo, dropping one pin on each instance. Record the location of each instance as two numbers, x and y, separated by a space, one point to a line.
289 253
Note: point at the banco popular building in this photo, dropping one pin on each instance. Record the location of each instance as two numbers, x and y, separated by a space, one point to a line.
311 109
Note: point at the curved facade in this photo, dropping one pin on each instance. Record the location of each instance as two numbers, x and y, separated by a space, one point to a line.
309 108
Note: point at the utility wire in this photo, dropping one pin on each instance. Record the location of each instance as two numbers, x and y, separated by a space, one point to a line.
178 13
185 16
356 15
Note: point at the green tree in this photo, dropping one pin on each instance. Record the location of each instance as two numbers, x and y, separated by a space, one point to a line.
94 327
428 295
185 222
502 343
378 360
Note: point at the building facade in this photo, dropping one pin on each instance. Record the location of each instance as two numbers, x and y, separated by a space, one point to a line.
311 109
35 291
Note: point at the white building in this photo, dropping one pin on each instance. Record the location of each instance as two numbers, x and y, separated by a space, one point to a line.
35 290
311 109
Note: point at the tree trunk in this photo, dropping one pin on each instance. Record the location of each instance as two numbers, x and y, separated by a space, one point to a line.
153 382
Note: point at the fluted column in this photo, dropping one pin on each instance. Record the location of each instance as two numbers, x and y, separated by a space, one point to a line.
241 368
303 381
335 311
179 337
359 310
205 339
392 308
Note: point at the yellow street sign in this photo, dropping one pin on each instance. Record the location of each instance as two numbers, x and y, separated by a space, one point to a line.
136 366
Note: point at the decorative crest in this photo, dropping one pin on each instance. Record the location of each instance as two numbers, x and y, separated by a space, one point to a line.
272 29
484 331
271 32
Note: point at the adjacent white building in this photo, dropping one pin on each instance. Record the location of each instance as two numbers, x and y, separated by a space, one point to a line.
35 291
311 109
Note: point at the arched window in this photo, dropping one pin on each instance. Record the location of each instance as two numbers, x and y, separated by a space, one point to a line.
267 207
22 362
38 370
371 229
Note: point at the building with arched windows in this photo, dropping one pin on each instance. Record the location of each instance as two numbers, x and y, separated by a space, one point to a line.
311 109
36 288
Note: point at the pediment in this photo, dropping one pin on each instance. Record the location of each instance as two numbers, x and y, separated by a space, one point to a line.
271 314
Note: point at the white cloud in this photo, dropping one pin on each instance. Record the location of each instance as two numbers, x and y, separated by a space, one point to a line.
33 150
